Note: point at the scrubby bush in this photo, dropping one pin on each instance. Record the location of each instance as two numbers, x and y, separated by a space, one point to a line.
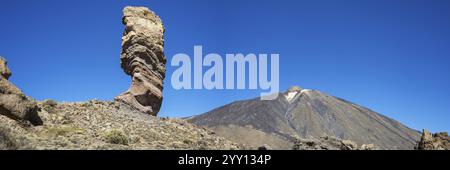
116 137
50 103
6 141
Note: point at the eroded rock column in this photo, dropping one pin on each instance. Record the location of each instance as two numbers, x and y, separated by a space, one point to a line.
437 141
143 59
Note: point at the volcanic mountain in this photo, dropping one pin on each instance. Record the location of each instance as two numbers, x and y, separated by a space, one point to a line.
305 114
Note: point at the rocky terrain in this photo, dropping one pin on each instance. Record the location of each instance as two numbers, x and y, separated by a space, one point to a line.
330 143
105 125
437 141
305 114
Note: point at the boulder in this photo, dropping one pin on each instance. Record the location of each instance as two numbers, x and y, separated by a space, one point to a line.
13 103
143 59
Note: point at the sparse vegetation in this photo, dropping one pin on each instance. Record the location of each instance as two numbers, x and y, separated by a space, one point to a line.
187 141
6 141
49 105
116 137
63 130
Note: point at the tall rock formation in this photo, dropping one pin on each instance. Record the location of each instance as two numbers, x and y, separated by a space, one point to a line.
437 141
13 103
143 59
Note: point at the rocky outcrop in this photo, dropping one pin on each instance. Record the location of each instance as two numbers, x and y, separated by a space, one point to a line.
330 143
13 103
4 70
437 141
143 59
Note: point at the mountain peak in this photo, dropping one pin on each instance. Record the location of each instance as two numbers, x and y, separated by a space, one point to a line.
292 92
294 89
308 114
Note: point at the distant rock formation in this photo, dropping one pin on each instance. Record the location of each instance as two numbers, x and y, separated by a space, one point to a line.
437 141
143 59
13 103
306 114
330 143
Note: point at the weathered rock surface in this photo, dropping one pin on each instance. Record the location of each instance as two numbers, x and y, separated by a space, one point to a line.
143 59
106 125
306 114
13 103
4 70
330 143
437 141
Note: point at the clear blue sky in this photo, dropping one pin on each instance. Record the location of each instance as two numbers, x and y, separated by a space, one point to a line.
392 56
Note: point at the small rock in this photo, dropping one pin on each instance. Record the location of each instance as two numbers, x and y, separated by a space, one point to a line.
264 147
368 147
348 145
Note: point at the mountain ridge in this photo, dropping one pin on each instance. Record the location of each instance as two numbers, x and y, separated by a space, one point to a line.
308 114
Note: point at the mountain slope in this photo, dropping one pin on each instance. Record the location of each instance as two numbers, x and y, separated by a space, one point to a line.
305 114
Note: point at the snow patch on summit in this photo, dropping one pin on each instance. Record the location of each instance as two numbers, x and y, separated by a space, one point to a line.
290 95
